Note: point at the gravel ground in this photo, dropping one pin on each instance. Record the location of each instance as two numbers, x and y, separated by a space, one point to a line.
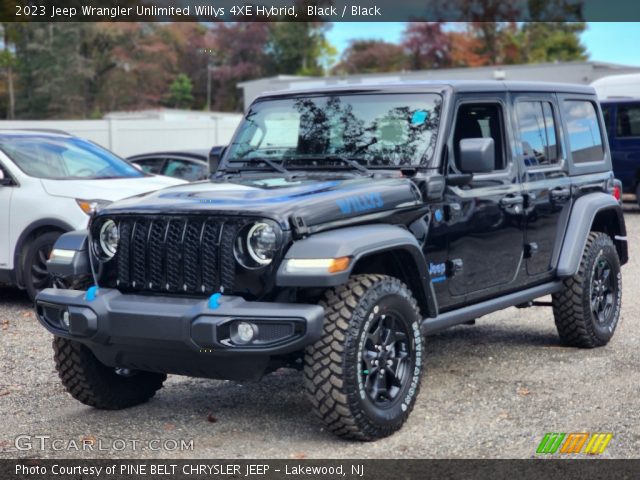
489 391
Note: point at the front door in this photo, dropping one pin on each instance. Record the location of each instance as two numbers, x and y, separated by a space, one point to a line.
485 229
6 191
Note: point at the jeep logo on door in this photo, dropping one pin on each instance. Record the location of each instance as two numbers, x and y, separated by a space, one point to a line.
360 203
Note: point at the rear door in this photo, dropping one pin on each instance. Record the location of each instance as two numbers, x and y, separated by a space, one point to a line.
546 183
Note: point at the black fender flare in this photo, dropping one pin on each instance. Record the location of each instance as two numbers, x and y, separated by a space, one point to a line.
583 213
43 223
357 242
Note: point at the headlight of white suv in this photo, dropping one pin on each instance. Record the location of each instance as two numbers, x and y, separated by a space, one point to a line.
91 206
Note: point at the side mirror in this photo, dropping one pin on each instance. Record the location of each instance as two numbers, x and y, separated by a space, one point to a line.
477 155
215 155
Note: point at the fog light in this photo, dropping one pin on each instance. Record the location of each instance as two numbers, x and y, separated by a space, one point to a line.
65 319
246 332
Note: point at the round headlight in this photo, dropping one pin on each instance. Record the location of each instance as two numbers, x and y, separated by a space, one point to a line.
262 243
108 239
257 245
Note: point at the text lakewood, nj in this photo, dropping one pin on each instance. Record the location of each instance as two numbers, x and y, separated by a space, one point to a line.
200 12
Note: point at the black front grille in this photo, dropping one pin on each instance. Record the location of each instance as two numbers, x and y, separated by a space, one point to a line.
182 255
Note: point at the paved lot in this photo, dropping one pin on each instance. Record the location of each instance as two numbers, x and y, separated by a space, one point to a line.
490 390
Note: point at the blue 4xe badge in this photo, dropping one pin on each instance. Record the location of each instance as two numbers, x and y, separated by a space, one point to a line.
438 272
360 203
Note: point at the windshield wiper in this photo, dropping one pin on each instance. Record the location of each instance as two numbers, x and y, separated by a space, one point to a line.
343 158
266 161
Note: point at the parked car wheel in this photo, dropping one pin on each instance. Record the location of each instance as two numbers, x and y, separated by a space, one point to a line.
587 309
97 385
363 375
34 265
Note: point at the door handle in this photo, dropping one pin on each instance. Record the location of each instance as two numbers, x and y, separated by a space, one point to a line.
560 193
511 200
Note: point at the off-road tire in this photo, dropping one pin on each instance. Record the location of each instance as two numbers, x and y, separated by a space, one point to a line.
572 309
332 365
94 384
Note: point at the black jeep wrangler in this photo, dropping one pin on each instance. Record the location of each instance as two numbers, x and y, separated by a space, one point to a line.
341 226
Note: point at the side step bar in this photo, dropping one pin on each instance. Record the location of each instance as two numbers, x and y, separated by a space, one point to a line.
462 315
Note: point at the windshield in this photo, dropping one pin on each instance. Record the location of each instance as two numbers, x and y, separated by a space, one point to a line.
64 158
376 130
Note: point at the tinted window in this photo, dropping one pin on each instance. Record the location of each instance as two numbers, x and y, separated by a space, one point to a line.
376 130
151 165
64 158
480 121
537 133
606 113
185 169
585 137
628 121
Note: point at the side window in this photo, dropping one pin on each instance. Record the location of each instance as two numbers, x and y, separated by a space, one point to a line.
482 120
190 171
151 165
537 133
585 137
628 121
606 113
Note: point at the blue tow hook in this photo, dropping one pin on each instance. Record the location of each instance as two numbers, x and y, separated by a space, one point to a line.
214 301
91 294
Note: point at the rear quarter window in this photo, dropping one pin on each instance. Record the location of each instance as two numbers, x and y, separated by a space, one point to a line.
628 120
583 127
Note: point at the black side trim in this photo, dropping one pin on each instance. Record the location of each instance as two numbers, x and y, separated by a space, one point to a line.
462 315
7 275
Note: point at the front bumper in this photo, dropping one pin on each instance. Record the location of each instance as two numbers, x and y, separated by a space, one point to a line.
178 335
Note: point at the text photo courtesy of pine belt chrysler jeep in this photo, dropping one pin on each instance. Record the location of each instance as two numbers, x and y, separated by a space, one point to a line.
341 226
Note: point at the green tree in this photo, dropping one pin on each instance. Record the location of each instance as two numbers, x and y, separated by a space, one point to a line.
181 92
299 48
551 42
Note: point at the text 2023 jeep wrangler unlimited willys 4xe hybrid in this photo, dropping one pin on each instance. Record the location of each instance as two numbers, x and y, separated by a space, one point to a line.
341 226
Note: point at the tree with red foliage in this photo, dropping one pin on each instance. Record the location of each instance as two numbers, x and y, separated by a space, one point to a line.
370 56
427 45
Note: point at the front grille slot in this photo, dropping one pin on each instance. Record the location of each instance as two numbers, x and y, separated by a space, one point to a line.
172 254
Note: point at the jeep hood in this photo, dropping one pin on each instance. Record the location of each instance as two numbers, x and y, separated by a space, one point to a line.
307 201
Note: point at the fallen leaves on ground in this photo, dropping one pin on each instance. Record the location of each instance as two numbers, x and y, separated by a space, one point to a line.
211 418
523 391
298 455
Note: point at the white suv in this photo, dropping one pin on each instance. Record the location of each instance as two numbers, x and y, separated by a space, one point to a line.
50 183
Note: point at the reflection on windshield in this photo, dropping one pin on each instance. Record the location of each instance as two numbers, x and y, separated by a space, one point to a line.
377 130
64 158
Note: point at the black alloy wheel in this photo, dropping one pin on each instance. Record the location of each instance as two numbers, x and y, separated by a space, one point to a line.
386 359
